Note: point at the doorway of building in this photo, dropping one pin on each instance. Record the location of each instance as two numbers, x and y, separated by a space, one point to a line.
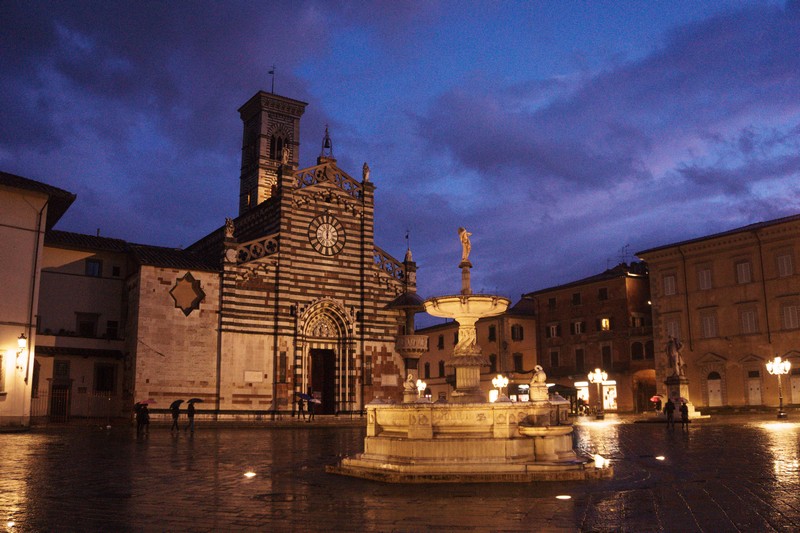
714 383
753 388
323 382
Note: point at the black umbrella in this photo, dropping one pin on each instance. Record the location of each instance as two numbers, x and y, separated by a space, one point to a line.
304 396
194 400
176 404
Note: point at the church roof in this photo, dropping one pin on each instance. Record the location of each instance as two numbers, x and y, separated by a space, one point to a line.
142 254
60 200
169 258
79 241
407 300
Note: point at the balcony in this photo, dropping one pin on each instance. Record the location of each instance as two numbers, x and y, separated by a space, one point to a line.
411 345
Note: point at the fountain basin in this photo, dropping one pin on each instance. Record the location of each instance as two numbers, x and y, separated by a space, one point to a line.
477 442
470 307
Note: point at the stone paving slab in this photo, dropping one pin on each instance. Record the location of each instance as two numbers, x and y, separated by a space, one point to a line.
732 473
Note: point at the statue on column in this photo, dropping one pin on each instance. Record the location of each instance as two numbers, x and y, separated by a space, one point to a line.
229 229
365 172
675 358
466 246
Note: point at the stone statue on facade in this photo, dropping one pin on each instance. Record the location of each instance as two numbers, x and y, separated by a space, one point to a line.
466 246
365 171
229 228
675 358
285 154
538 375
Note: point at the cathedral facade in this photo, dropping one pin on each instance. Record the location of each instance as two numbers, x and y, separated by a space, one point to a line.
290 297
295 299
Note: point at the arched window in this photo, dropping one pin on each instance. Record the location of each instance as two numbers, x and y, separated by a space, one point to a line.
714 375
441 369
276 144
637 351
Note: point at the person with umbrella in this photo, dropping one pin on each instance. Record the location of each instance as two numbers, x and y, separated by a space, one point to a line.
301 412
142 418
669 410
311 405
175 407
684 409
190 414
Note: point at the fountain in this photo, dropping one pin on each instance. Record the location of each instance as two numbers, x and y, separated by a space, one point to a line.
469 439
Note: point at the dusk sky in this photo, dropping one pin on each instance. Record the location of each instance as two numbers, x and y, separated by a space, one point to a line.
559 133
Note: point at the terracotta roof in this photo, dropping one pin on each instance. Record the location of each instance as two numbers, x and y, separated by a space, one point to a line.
143 254
619 271
60 200
169 258
79 241
751 227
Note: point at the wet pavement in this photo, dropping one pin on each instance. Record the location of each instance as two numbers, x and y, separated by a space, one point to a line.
728 473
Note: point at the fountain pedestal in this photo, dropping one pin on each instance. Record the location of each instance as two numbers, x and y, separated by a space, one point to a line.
469 439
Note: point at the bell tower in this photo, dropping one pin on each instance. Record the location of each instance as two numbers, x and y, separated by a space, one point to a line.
271 133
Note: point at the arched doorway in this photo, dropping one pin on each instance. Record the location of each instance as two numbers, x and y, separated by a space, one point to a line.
714 387
328 367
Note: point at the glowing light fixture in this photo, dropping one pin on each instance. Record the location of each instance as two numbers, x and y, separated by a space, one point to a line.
22 343
598 377
563 497
499 383
776 367
660 458
249 474
421 386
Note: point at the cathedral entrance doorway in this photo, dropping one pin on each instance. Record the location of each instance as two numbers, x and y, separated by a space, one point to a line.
323 373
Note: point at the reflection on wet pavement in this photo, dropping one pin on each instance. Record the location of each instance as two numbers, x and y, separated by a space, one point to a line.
726 474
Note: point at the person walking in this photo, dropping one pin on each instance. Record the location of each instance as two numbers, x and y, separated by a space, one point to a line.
684 409
176 413
190 416
301 411
311 406
669 410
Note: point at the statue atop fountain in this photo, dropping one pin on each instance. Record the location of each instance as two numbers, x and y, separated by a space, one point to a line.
467 438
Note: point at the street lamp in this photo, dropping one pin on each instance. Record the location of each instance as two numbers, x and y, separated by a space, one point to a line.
22 343
421 386
499 383
776 367
598 376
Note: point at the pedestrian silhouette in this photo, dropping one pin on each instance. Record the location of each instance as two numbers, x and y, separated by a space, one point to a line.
301 413
190 416
311 405
176 413
684 416
669 410
142 419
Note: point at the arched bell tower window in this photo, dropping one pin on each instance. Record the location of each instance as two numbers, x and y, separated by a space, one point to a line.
276 144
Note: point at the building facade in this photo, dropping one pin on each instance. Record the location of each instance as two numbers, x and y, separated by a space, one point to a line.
603 321
27 209
507 342
733 300
290 297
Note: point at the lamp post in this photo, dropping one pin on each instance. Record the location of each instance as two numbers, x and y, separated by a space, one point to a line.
598 376
22 343
499 383
776 367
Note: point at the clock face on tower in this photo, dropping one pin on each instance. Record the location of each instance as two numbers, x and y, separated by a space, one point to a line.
326 235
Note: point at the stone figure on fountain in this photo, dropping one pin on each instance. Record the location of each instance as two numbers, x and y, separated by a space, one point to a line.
466 246
538 390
